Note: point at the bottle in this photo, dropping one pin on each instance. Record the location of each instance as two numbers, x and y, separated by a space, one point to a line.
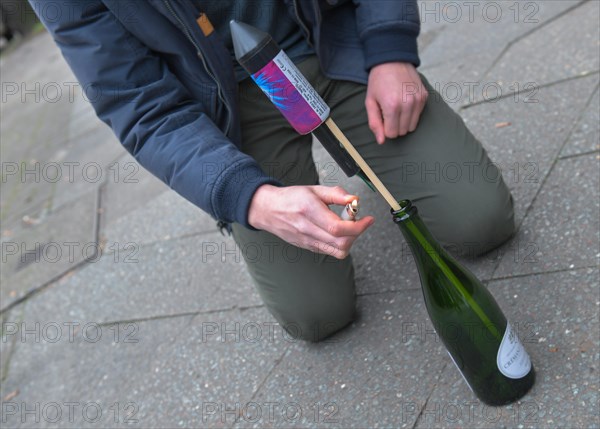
478 337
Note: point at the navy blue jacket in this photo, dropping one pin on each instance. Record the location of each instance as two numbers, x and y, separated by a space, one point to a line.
169 92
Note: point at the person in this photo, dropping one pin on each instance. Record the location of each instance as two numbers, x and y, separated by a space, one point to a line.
180 104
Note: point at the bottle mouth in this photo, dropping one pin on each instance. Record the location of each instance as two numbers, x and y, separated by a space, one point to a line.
406 211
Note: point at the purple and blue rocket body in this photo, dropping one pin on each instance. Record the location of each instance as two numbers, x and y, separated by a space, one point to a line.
278 77
304 111
288 89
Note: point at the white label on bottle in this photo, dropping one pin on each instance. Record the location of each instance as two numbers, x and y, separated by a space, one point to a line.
512 360
305 89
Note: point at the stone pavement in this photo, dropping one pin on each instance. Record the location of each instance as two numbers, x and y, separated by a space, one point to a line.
122 306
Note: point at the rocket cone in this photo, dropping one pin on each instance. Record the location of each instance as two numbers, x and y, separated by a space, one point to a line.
253 48
245 38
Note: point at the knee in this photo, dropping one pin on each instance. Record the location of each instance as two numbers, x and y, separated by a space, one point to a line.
322 321
481 224
493 226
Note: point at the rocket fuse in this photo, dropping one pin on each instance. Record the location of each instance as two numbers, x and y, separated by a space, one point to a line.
279 78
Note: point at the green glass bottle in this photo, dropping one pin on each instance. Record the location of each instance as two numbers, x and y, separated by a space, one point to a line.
479 339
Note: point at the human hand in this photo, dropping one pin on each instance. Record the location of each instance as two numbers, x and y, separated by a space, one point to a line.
395 99
300 215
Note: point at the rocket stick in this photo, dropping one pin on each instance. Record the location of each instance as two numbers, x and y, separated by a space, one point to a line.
362 164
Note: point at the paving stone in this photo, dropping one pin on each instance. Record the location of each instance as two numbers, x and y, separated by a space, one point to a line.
208 371
429 33
562 229
364 376
586 137
558 324
28 178
460 80
83 116
199 273
17 65
480 27
94 367
93 159
133 189
456 63
548 56
35 104
164 217
523 138
54 136
48 245
8 322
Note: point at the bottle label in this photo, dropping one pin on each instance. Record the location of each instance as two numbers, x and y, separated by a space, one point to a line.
292 94
512 360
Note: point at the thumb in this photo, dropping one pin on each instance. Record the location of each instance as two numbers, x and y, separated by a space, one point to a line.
375 119
333 195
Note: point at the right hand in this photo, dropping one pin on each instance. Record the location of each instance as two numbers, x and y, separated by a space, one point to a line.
395 100
300 215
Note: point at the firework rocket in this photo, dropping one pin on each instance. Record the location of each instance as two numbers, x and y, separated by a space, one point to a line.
288 89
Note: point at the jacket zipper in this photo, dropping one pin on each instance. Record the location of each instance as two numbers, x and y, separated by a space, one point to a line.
301 23
188 34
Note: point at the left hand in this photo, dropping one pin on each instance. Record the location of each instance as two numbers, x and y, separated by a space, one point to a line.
395 99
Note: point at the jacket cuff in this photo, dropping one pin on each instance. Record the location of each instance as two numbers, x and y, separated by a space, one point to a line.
236 191
391 45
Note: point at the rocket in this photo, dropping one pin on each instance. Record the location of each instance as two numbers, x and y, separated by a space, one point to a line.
288 89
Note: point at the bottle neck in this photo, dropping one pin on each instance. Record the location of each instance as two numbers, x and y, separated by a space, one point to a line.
420 240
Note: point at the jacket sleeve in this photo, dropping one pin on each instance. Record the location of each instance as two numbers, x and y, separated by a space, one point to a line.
388 30
153 114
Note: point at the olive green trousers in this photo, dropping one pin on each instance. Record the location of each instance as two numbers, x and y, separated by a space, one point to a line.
440 166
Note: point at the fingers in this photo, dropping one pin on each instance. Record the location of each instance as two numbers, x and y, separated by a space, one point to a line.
397 114
340 236
391 121
327 232
414 120
375 119
395 100
422 97
329 221
332 226
401 116
403 119
333 195
343 228
300 215
407 112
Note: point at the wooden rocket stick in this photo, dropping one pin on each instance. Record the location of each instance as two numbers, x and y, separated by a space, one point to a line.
362 164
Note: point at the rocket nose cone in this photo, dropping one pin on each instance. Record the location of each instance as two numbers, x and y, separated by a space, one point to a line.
245 37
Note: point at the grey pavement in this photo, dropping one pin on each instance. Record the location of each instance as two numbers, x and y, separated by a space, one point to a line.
123 306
